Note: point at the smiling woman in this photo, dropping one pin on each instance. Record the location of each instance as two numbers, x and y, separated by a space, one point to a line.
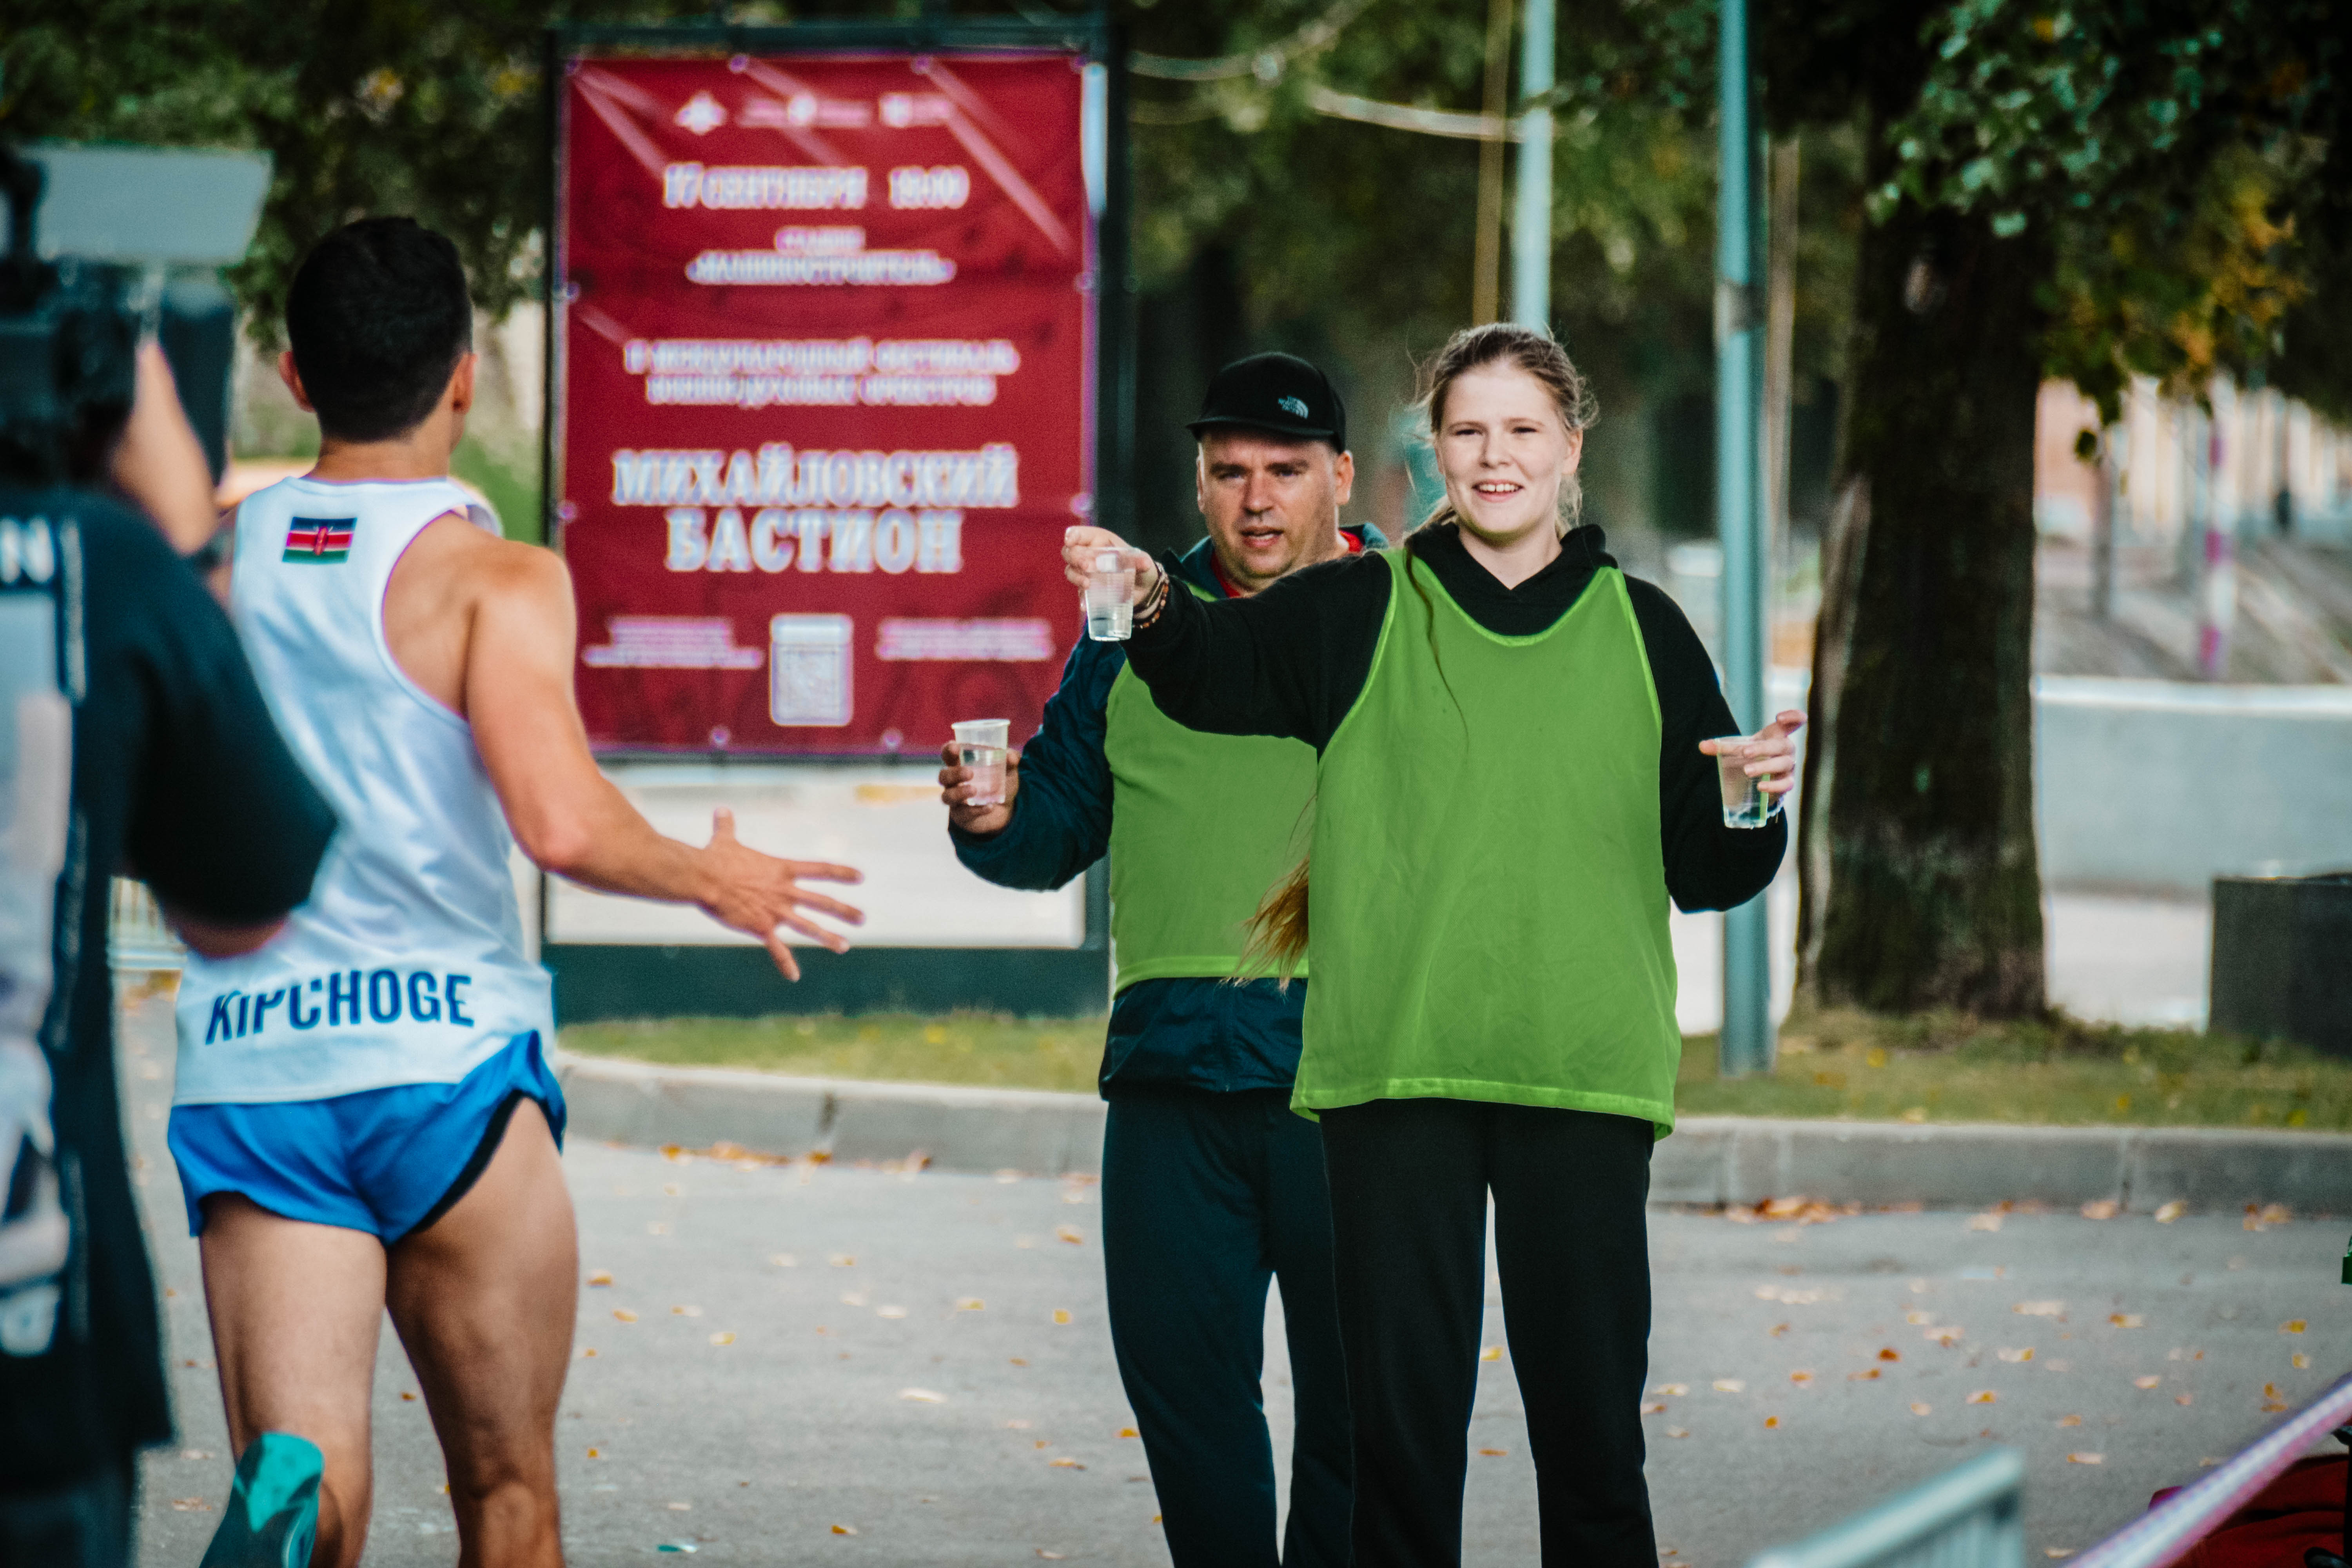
1513 778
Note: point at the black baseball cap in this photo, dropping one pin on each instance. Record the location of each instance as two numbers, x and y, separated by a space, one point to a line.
1280 394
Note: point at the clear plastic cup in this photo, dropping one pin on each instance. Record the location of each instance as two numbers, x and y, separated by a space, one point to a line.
1744 805
980 745
1111 599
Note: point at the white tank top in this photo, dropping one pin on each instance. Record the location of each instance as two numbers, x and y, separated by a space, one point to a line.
406 965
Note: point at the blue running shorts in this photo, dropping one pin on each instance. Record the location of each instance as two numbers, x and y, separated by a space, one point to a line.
385 1161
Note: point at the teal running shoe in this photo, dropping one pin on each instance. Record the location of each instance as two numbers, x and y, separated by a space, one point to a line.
273 1507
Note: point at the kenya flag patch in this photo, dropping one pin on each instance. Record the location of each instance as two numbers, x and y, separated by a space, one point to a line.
320 539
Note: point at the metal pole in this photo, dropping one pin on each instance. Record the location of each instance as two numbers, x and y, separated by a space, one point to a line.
1531 219
1746 1043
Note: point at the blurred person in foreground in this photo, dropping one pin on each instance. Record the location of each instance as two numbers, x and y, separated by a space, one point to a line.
1211 1186
364 1118
132 741
1516 772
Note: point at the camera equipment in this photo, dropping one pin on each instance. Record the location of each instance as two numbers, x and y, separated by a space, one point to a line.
104 244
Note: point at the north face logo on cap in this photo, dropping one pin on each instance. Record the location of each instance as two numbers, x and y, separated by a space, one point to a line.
1293 405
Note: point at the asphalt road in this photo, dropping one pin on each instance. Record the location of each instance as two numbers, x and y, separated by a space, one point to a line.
821 1349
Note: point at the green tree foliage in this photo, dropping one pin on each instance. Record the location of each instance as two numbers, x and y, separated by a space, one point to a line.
366 105
2175 153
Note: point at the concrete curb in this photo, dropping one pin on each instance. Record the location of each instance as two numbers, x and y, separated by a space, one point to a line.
1709 1159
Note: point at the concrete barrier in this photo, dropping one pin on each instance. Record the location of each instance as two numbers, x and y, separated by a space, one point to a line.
2165 785
1709 1159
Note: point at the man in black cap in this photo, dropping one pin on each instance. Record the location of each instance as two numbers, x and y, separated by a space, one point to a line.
1212 1187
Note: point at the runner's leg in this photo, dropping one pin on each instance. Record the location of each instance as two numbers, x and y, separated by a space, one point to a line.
295 1312
484 1298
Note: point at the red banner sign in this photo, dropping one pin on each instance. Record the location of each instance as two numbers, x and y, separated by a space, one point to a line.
827 394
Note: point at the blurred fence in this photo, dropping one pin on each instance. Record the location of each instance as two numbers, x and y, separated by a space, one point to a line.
139 939
1970 1516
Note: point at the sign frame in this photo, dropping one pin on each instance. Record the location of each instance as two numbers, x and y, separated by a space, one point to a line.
1096 37
596 981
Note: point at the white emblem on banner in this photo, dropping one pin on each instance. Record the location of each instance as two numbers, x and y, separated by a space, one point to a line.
809 670
702 114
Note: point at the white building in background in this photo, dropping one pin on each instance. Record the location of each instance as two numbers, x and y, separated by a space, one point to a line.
2176 466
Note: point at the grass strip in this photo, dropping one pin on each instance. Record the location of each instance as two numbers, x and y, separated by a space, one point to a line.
1937 1066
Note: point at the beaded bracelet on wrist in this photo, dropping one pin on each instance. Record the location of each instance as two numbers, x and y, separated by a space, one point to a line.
1153 603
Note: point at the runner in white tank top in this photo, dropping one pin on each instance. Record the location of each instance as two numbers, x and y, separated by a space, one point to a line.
406 966
364 1118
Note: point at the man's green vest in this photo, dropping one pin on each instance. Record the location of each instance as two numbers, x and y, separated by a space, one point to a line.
1488 911
1201 826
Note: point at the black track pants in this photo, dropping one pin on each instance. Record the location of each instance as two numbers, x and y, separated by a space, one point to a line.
1206 1198
1409 1185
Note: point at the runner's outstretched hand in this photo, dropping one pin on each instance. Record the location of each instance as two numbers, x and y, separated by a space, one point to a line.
760 895
955 789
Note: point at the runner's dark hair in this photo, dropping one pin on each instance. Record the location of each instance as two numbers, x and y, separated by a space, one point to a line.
378 318
1277 932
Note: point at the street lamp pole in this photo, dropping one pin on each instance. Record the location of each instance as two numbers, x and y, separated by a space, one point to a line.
1746 1043
1531 219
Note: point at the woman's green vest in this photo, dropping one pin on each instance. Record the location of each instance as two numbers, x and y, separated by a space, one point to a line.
1488 898
1200 826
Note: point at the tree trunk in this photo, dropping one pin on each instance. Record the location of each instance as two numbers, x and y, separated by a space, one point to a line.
1923 751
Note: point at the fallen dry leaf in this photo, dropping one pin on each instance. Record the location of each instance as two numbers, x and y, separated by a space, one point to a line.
853 1298
2170 1212
1984 1222
2183 1398
595 1454
842 1260
722 1337
408 1396
191 1505
2057 1552
1867 1374
2023 1355
602 1276
1061 1314
1493 1453
2299 1361
1678 1432
2275 1213
1068 1233
686 1311
1916 1318
1656 1408
2293 1326
2128 1319
1128 1432
2148 1379
971 1304
1944 1335
1888 1353
1982 1396
680 1507
1771 1422
1064 1463
1018 1426
1801 1378
892 1312
844 1530
589 1353
1729 1385
2070 1421
1672 1390
1492 1352
2086 1458
2100 1208
2039 1308
1920 1409
624 1315
783 1260
922 1396
1779 1328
